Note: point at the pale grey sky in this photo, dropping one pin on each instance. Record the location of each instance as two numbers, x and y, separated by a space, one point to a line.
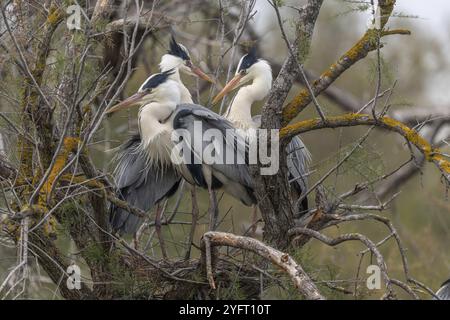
433 14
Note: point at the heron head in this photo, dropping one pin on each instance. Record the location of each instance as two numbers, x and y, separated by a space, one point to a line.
157 87
181 59
249 67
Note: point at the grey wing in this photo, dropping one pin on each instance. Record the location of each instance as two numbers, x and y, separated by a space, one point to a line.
444 292
234 177
139 184
298 159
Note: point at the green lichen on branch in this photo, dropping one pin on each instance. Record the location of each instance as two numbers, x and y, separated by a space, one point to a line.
33 112
352 119
70 145
366 44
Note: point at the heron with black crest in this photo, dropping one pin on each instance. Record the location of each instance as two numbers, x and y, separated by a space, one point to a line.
161 112
254 78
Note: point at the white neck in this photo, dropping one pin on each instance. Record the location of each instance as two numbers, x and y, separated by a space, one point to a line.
168 62
153 120
240 110
153 116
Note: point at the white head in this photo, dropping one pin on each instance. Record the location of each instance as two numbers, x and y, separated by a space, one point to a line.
157 88
178 58
249 69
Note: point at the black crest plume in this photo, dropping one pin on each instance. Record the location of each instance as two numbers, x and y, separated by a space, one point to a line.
248 60
177 50
156 79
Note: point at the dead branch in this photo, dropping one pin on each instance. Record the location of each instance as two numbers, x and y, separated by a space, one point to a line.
350 237
298 276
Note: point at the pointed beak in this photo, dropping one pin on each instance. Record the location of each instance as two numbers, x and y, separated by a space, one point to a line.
127 103
199 73
230 86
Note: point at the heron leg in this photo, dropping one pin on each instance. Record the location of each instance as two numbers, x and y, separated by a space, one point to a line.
159 210
213 210
254 225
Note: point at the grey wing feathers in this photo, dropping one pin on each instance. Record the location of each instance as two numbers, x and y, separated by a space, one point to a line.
139 184
298 159
203 113
233 177
444 292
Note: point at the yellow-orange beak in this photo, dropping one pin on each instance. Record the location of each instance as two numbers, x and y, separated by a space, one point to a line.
199 73
127 103
230 86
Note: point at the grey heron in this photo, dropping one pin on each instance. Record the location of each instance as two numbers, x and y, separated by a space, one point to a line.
134 178
256 73
179 60
161 112
444 291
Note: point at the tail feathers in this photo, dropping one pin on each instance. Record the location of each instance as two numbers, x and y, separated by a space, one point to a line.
122 221
303 207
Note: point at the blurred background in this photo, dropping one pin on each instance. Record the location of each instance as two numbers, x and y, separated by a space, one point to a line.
420 66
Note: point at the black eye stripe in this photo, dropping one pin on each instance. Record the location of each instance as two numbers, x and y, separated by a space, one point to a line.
155 80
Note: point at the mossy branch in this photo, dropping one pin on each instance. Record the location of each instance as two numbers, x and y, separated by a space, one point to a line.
359 51
30 105
349 120
110 195
70 145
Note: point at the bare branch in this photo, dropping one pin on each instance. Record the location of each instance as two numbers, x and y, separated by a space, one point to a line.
298 276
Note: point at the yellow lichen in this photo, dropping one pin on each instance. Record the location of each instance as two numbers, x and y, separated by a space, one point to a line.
352 119
70 145
329 73
355 52
49 227
292 108
441 161
411 135
55 16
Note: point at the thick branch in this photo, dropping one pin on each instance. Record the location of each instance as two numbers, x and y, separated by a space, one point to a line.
274 197
359 51
350 120
300 279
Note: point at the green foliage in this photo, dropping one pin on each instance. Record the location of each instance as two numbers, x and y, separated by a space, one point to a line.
284 289
69 215
364 161
94 252
278 3
319 273
388 72
233 291
353 7
100 24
